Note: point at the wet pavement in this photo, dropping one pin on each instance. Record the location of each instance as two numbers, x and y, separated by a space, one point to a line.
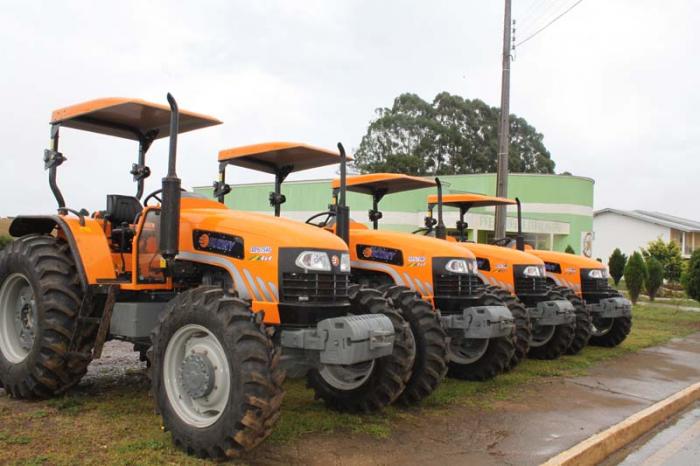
675 443
544 421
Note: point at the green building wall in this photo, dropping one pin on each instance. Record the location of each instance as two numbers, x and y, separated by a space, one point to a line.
557 198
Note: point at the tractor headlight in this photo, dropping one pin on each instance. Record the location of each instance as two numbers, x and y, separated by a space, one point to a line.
344 262
598 273
473 266
533 271
457 266
313 260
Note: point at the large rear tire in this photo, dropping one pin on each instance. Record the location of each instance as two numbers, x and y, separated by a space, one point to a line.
216 376
40 298
430 364
582 331
494 354
523 328
368 387
559 341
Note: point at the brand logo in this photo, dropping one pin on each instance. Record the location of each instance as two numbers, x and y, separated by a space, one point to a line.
203 240
367 252
335 260
261 249
380 254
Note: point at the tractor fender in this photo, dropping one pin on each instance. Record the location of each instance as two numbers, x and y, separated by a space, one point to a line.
87 242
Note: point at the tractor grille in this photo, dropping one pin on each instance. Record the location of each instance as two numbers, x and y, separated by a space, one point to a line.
326 288
454 285
530 285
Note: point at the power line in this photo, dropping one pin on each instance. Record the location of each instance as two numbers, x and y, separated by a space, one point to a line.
548 24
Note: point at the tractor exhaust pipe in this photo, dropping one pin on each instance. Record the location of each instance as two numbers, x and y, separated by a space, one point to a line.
520 239
170 208
342 219
440 230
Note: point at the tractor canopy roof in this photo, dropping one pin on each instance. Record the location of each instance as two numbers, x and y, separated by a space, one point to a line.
469 200
383 183
272 157
127 118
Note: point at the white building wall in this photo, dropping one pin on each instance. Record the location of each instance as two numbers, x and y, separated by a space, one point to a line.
619 231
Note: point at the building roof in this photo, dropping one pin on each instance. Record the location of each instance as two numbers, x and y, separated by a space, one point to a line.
669 221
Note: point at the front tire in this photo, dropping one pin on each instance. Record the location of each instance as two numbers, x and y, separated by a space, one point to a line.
430 365
558 338
216 376
40 298
582 331
476 359
610 332
523 328
367 387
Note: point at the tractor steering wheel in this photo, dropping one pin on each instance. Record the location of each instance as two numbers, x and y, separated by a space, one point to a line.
504 242
155 195
422 231
329 215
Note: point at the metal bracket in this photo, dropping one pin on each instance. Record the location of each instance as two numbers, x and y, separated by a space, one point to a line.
53 158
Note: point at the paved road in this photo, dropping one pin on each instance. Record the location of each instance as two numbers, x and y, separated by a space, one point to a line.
676 443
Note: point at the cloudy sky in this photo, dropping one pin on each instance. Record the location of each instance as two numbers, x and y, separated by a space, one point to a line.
612 85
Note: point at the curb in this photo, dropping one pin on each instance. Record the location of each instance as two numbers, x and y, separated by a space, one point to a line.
597 448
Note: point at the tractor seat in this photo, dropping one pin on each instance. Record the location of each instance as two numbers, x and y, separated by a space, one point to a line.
120 213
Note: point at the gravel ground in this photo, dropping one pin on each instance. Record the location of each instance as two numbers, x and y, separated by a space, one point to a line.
119 365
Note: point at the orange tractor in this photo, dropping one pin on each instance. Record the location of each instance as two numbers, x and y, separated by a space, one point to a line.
221 301
559 325
587 280
415 274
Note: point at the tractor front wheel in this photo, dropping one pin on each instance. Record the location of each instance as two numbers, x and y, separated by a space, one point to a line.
40 298
523 328
480 359
216 376
551 341
610 332
430 365
372 385
582 331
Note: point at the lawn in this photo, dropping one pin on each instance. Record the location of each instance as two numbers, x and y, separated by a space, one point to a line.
117 425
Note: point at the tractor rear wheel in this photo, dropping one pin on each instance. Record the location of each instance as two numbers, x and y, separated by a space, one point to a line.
480 359
582 332
610 332
430 365
40 298
551 341
216 376
523 328
372 385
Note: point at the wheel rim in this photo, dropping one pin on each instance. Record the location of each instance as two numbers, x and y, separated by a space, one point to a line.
347 377
541 334
467 350
600 327
18 318
196 375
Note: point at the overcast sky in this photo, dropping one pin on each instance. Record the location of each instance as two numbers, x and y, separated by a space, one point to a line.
612 85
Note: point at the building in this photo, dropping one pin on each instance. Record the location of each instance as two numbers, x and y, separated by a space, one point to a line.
557 209
631 230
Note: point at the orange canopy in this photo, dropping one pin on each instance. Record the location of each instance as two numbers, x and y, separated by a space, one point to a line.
386 183
127 118
469 200
271 156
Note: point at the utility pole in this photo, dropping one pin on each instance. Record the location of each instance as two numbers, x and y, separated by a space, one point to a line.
504 127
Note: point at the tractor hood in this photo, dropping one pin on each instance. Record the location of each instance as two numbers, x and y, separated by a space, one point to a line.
501 255
414 245
260 230
567 260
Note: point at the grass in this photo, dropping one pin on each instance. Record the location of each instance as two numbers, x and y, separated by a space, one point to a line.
119 426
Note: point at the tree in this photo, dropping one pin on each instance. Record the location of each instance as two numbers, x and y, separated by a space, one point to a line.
654 278
449 136
669 254
691 277
635 275
569 249
616 264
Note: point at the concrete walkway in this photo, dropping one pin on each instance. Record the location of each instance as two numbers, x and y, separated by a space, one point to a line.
545 420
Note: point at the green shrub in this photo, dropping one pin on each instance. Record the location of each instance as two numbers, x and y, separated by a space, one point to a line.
4 241
691 278
569 249
616 264
635 275
669 254
654 278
